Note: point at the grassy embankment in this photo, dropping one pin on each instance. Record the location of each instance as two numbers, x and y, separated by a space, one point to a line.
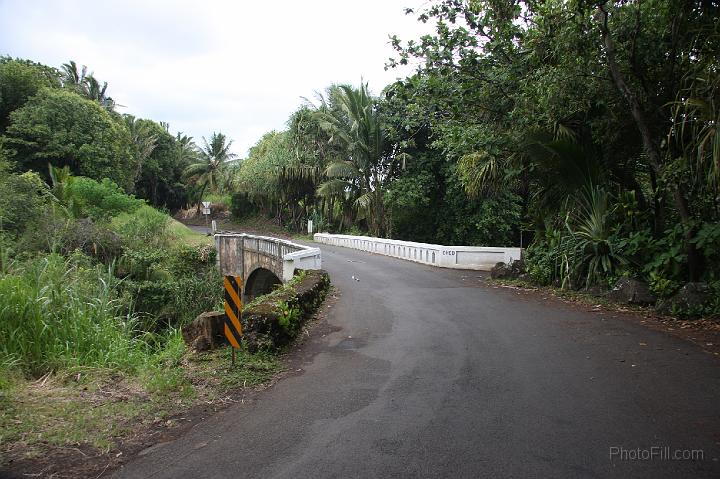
91 351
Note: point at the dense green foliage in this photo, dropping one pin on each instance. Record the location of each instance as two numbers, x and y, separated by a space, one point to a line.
91 276
20 80
90 273
58 313
62 128
65 117
584 130
598 116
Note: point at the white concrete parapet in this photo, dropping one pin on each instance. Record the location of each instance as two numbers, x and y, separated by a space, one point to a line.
307 258
458 257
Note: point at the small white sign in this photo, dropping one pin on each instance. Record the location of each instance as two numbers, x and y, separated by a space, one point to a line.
310 227
206 204
206 211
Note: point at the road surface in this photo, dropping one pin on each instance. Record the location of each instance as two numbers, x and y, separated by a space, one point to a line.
434 375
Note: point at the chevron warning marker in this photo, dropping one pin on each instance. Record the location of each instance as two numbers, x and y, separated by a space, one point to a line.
233 308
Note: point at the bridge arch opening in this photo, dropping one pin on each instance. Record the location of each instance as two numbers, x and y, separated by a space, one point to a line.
261 281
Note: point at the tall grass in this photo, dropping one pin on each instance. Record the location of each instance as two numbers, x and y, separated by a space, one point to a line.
56 313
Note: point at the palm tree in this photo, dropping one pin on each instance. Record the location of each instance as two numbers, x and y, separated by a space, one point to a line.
185 149
212 160
85 84
359 176
71 75
93 91
144 142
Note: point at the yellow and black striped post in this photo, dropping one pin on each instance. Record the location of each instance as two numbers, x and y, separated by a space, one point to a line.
233 308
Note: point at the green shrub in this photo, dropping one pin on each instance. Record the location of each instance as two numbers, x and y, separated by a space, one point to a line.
290 318
583 250
170 287
707 241
23 200
101 199
187 260
539 262
152 302
198 292
146 227
142 264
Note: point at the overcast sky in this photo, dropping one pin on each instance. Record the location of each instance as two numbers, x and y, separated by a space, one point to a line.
204 66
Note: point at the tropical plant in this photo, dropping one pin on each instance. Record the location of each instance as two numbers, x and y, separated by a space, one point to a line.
368 163
143 141
84 83
19 81
596 254
212 161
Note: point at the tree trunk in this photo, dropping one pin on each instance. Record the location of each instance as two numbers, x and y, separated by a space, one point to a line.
650 144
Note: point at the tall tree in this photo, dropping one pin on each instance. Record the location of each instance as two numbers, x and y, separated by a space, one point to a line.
83 83
62 128
20 80
212 160
369 162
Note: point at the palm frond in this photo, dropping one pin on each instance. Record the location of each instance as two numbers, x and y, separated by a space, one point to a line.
342 169
333 187
479 172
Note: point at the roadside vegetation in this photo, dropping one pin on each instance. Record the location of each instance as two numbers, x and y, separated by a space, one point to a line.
586 132
94 286
583 131
96 279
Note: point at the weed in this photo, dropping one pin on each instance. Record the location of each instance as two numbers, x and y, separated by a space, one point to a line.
56 314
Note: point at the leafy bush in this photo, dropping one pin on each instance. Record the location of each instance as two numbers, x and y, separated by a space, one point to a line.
142 264
199 284
23 199
596 254
170 287
152 302
187 260
62 128
707 240
101 199
583 251
290 318
146 227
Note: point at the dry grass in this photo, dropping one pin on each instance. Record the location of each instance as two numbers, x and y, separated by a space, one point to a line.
92 411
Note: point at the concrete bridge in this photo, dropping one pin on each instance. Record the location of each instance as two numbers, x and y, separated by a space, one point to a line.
457 257
262 261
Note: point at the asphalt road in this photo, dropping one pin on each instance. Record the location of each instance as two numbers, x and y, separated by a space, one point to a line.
433 375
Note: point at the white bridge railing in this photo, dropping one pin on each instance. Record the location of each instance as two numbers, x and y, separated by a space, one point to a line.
232 248
459 257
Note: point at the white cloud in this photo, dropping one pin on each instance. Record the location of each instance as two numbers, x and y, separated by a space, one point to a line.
236 67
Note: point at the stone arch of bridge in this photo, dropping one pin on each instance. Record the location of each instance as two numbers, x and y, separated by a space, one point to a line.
260 281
